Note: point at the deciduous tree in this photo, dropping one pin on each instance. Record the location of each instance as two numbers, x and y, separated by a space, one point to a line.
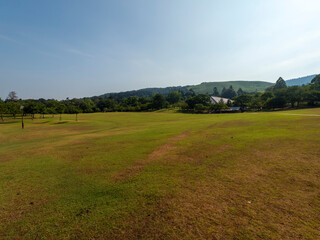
229 93
243 100
174 97
12 96
158 101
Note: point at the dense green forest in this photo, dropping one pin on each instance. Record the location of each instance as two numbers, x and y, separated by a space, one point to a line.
146 92
274 97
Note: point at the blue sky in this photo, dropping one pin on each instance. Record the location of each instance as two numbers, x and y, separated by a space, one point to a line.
77 48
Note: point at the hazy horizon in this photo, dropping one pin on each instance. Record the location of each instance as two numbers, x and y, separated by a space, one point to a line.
81 48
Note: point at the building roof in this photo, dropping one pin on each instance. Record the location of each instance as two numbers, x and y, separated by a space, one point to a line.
215 99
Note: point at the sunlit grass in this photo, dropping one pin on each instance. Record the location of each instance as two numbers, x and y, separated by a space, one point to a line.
161 175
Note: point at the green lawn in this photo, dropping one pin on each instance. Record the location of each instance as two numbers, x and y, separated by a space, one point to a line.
161 175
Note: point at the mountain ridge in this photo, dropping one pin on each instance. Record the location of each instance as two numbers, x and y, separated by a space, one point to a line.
204 87
300 81
207 87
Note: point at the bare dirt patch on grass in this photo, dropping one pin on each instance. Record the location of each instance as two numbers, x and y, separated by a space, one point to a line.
155 155
230 123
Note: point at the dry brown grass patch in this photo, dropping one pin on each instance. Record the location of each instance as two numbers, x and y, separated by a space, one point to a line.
266 193
153 156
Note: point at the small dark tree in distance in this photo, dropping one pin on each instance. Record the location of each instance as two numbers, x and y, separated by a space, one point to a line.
60 109
240 91
215 92
2 109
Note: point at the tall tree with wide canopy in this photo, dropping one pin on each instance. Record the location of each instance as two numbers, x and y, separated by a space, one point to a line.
243 100
293 94
198 99
13 108
158 101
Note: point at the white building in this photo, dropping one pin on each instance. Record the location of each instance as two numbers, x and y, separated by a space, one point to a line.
215 100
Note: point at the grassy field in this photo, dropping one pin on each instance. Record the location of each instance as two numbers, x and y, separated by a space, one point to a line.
162 175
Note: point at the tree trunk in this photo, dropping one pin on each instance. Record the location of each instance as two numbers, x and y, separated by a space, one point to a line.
22 123
60 116
2 117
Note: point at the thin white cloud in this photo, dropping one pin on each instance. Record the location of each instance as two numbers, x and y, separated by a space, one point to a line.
293 63
8 39
48 54
70 50
301 41
78 52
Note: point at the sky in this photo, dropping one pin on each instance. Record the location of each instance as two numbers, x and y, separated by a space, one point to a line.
82 48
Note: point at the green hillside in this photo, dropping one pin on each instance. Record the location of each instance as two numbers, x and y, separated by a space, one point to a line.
205 87
247 86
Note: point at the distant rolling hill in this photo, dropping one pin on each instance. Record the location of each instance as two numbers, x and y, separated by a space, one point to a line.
205 87
247 86
300 81
145 92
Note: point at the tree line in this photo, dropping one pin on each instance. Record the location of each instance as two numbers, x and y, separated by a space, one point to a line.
281 96
277 96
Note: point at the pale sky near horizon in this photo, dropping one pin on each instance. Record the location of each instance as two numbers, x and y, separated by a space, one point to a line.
78 48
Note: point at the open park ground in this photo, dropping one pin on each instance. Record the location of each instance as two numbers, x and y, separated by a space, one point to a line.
161 175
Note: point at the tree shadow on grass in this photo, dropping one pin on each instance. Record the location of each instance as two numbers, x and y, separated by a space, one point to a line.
62 122
9 122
